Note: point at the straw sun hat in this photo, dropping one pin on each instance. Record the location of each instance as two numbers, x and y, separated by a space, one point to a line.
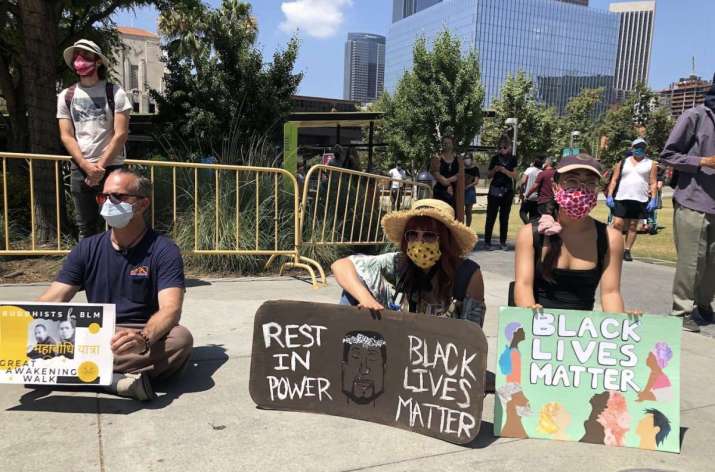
395 223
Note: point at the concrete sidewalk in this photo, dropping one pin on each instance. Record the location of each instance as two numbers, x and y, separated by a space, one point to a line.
208 422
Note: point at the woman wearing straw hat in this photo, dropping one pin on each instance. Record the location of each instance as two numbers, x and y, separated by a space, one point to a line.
429 274
561 262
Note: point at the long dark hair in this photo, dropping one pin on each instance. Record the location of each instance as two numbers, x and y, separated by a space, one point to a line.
555 242
412 279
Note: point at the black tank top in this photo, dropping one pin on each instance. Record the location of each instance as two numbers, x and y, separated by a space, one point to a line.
571 289
447 170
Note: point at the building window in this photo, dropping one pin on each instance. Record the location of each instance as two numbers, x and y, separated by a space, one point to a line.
134 77
152 107
135 107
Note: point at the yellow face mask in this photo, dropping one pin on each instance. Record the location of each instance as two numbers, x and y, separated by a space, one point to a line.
424 255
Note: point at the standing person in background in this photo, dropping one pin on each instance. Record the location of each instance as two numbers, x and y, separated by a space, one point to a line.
397 174
501 192
93 117
691 151
632 193
445 170
529 206
471 179
544 188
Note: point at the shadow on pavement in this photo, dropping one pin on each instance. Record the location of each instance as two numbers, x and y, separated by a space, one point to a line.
196 283
484 438
198 377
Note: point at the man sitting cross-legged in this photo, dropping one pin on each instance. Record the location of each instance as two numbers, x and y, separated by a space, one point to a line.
142 273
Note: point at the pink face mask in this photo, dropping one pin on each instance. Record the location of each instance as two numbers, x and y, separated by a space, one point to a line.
577 202
84 67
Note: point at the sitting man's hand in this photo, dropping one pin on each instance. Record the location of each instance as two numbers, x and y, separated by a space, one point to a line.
127 342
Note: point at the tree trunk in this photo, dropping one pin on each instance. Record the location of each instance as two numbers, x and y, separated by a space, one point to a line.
39 26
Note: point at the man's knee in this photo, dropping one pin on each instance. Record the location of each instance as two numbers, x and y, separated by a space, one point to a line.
182 339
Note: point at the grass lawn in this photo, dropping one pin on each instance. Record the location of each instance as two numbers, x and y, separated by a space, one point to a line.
653 248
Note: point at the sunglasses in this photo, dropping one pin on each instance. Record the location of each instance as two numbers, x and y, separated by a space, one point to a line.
412 236
115 198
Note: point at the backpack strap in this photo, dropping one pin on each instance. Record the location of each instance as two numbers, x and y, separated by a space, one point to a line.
601 245
464 275
538 239
69 95
109 90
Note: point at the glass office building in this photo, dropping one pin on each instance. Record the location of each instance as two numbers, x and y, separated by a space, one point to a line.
364 69
564 47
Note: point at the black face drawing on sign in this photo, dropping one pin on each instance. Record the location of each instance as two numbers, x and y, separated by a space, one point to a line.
363 366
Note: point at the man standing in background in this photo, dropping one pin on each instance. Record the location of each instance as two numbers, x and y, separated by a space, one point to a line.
529 206
93 116
690 150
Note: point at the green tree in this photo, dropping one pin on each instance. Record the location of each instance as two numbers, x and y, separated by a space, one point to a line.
441 95
581 114
538 124
638 115
218 88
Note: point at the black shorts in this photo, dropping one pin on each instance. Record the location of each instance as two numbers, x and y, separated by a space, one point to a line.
629 209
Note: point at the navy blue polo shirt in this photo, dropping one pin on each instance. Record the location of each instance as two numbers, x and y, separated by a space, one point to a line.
130 279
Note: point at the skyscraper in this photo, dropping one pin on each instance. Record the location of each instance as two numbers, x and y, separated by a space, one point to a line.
364 78
564 47
635 39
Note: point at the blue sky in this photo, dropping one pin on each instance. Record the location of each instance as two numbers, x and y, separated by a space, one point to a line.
683 29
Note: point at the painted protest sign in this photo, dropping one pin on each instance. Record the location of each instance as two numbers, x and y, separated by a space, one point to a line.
56 343
416 372
590 377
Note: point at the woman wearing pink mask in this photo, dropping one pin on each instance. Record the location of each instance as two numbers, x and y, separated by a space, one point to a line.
561 262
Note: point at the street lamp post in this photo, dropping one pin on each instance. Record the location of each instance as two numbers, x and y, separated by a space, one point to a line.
574 134
514 123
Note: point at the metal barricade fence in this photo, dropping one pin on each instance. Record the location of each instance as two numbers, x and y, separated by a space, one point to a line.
209 209
342 207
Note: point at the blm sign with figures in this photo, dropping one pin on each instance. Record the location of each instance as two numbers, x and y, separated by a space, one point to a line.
56 343
414 372
592 377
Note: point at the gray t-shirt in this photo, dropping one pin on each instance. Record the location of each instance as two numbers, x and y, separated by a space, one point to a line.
531 174
92 119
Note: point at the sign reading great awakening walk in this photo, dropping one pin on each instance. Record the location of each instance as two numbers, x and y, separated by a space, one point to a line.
56 343
592 377
416 372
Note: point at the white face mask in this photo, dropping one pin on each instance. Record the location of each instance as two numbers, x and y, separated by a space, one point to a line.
117 215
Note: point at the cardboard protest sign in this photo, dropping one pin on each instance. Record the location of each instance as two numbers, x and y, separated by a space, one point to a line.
591 377
56 343
416 372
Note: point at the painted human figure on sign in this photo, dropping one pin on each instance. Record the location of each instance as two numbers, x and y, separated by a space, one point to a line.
516 406
363 366
615 420
510 358
652 429
658 387
554 420
594 429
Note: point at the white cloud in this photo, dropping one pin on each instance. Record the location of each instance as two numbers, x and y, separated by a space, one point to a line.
318 18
